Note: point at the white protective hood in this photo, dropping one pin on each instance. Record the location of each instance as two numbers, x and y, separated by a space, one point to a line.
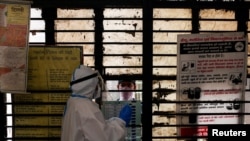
85 82
82 119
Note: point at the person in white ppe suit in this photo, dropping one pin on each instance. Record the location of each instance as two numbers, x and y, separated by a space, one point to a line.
83 120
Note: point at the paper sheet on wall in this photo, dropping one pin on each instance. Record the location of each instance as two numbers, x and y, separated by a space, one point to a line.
14 29
56 74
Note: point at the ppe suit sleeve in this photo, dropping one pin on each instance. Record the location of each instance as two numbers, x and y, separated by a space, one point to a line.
118 129
96 128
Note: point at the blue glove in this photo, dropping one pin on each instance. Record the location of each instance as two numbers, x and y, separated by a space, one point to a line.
125 114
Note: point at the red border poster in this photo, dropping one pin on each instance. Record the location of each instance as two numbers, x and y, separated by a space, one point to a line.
14 31
211 68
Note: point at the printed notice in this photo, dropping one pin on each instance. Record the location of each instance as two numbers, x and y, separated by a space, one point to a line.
17 14
212 68
39 132
41 97
38 121
38 110
56 74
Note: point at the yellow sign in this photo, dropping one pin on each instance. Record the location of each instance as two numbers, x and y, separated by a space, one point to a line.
37 132
41 97
37 121
18 14
38 109
50 68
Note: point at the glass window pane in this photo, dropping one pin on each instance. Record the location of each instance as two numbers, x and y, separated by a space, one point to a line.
164 61
75 37
216 14
37 25
75 13
172 13
74 24
37 37
165 49
122 61
122 49
165 71
218 25
122 37
122 24
172 25
122 13
35 13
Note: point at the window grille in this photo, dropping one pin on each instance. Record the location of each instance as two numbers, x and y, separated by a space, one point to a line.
131 37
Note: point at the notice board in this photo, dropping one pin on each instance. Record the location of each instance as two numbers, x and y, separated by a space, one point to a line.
14 31
38 114
49 74
212 68
50 68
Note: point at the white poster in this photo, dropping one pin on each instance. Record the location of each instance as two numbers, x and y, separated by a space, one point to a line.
211 70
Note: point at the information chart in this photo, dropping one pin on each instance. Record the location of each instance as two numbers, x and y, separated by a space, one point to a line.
50 68
40 114
212 68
